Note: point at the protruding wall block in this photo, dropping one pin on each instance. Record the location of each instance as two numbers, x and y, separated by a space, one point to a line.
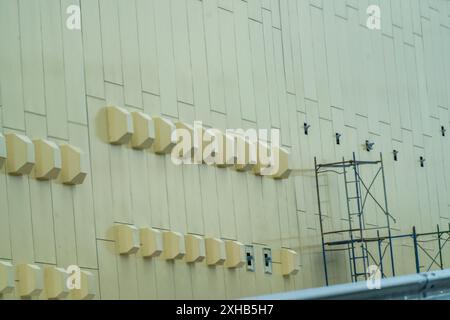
48 160
215 252
87 288
187 147
151 242
226 155
195 248
163 143
235 252
55 283
144 131
127 239
3 152
6 277
246 154
120 125
29 280
263 158
287 261
20 151
281 163
174 247
74 166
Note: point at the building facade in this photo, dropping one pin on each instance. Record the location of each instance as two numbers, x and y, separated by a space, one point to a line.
381 76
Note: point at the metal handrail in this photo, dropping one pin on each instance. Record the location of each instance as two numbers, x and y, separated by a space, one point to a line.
429 285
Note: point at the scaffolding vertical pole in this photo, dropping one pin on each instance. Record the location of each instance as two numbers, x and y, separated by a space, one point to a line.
441 264
352 260
364 253
416 249
391 249
380 253
324 255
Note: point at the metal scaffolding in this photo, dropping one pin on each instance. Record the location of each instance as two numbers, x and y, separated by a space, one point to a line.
356 237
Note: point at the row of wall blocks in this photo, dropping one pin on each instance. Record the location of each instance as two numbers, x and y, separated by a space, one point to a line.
48 160
155 133
170 245
29 281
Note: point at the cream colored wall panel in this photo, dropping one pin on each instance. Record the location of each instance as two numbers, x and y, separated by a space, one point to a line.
159 214
424 218
411 76
20 219
147 46
321 68
92 48
32 65
198 59
406 6
175 196
287 46
111 45
379 102
53 57
83 204
241 207
41 202
5 242
127 277
332 53
128 31
191 184
181 51
207 278
73 68
64 224
345 65
244 58
10 61
430 71
415 11
214 55
445 32
259 225
227 215
182 279
281 88
358 44
296 53
140 188
275 9
438 60
437 164
422 85
230 68
101 168
119 162
254 9
146 279
307 49
340 8
375 83
391 84
270 67
399 47
108 277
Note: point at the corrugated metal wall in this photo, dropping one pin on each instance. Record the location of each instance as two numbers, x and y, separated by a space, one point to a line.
228 63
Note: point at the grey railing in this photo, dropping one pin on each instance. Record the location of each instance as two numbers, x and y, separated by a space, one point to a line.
430 285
